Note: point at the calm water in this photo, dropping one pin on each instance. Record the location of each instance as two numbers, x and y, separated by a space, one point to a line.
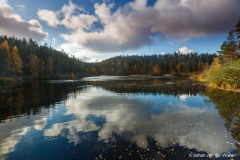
118 118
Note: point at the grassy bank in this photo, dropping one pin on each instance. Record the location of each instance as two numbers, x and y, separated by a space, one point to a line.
221 75
10 80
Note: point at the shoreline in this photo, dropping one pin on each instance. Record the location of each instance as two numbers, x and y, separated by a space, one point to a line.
213 86
226 89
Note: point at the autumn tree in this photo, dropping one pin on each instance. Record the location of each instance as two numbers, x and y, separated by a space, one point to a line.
135 69
33 64
4 58
156 70
93 70
16 61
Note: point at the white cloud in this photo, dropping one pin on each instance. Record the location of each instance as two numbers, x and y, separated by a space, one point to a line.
70 19
12 24
49 16
185 50
132 25
21 7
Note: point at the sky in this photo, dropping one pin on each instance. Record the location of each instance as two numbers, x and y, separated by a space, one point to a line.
97 29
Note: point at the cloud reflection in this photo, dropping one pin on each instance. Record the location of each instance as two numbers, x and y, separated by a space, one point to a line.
192 127
12 131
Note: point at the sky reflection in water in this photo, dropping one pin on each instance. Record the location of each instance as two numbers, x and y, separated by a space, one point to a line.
98 123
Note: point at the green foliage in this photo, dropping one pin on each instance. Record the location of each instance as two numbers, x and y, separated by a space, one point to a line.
224 75
229 48
7 80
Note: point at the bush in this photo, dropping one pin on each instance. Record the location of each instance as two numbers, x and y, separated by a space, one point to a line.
224 75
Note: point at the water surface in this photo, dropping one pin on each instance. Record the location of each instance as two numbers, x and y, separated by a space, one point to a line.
118 118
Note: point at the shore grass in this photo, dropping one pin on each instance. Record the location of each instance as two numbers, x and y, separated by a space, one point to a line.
7 80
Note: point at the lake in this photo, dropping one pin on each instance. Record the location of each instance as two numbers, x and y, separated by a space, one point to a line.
118 118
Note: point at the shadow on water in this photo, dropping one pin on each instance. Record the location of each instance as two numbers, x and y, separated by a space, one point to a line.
118 118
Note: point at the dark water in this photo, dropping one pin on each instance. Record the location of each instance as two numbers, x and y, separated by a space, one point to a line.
119 118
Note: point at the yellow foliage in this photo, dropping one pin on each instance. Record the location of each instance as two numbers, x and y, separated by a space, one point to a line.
16 61
155 70
135 68
72 74
125 64
4 58
216 64
5 45
93 70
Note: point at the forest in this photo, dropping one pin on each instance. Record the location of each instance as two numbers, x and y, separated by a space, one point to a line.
21 57
25 58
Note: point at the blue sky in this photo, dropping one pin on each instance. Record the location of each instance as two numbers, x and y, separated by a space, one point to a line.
98 29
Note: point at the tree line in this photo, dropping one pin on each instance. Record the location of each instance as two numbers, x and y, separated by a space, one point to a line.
21 57
175 63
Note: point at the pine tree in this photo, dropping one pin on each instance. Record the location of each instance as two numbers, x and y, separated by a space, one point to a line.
16 61
237 32
229 47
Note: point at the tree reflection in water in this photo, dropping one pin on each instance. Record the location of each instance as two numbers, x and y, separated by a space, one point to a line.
228 105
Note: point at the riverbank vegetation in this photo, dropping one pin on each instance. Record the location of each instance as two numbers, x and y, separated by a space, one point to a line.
225 70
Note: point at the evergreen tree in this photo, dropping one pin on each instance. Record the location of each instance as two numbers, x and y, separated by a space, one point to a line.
229 48
237 32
